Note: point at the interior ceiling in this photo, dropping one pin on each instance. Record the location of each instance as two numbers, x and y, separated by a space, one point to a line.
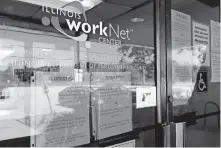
186 3
198 11
109 11
106 11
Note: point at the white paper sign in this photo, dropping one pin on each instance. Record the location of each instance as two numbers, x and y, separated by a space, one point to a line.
215 36
181 56
182 66
215 66
113 105
61 113
124 144
201 46
114 111
145 97
215 51
181 30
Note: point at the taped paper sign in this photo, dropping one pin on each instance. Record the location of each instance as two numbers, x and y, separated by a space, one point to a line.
113 103
60 113
145 97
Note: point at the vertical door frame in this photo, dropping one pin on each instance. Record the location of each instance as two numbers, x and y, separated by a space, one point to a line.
162 12
163 45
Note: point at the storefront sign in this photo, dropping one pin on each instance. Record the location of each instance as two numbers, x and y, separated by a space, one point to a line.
109 34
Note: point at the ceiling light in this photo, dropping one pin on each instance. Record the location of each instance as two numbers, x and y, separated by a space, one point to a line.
86 3
136 20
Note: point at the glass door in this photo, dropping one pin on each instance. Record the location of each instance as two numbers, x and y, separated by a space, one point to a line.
195 29
87 73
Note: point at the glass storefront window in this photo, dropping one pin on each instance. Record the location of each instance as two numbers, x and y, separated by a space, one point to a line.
77 72
100 73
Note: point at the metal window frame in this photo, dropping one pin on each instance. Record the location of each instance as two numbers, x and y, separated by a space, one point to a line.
163 59
163 45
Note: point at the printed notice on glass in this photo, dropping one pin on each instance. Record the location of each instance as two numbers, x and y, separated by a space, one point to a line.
181 30
181 45
215 36
124 144
201 46
215 51
181 56
113 106
215 66
182 66
61 113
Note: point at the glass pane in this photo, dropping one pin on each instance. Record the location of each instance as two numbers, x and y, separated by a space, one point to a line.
196 71
76 72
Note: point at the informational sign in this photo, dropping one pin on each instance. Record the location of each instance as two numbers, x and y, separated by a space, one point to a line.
61 113
145 97
215 36
181 57
182 66
181 29
201 45
202 81
124 144
215 51
113 103
114 111
215 66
